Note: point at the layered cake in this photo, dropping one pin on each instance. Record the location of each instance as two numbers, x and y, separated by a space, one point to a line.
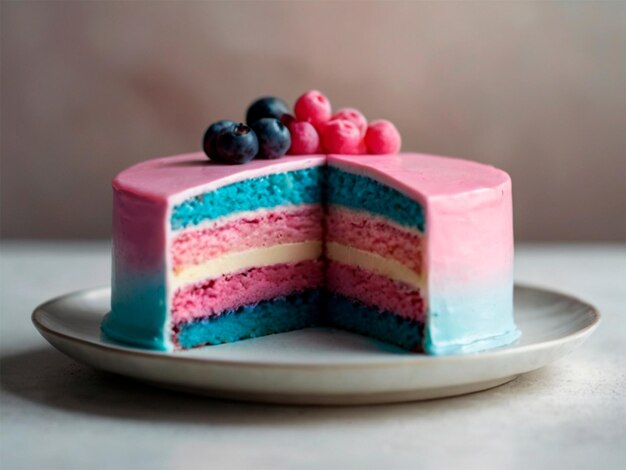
411 249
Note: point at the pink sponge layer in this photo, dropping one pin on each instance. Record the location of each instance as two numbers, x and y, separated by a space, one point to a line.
213 296
375 290
263 230
374 235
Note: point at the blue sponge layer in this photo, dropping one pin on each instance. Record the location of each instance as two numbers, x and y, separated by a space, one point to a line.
278 315
355 316
290 188
363 193
297 311
311 185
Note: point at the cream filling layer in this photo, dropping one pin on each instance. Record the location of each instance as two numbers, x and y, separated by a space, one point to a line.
295 253
375 263
243 260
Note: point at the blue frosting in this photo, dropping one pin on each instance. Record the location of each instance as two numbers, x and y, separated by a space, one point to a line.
363 193
474 320
278 315
290 188
138 310
355 316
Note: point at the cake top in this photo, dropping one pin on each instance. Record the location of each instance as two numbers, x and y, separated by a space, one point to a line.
312 136
424 176
162 178
418 175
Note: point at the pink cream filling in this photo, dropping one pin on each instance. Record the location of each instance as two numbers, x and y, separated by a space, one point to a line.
197 246
375 236
375 290
213 296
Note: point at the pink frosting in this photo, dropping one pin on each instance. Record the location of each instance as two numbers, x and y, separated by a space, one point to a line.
376 290
162 178
231 291
418 175
194 246
133 217
424 176
374 235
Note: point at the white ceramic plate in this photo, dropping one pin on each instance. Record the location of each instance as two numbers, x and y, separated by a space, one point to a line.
321 365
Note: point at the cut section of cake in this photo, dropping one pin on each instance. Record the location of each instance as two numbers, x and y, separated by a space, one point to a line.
374 258
246 259
443 245
411 249
206 253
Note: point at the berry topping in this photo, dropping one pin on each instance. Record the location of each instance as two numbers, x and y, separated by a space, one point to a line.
237 145
304 139
362 148
312 129
287 119
382 137
274 138
209 141
353 115
313 107
341 136
266 107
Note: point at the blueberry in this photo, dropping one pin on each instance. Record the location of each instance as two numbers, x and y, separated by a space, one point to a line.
274 137
237 145
209 141
267 107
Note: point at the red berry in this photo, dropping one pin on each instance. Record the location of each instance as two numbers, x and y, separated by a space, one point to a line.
304 139
382 137
312 107
353 115
341 136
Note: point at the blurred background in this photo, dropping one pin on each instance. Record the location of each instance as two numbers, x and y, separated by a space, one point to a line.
536 88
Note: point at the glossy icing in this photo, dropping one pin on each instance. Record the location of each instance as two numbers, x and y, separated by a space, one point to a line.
468 240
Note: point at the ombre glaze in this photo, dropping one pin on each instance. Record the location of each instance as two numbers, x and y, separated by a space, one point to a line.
466 247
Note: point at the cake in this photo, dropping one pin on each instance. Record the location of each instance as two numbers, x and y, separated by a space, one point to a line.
411 249
414 250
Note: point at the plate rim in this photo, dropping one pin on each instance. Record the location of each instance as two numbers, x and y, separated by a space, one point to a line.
409 360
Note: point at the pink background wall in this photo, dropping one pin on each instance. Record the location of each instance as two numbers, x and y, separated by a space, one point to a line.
537 88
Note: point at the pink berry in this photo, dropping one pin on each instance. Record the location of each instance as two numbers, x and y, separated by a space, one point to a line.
341 136
382 137
304 139
313 107
354 115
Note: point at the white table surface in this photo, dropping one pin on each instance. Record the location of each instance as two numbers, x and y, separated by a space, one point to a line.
58 414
